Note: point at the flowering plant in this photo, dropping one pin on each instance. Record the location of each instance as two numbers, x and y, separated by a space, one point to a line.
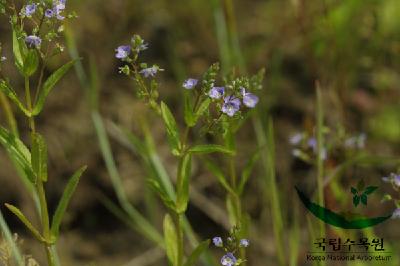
36 29
211 106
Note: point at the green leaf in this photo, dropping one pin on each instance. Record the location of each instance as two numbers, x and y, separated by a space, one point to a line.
172 129
215 170
26 222
64 201
210 148
17 150
39 156
354 191
31 63
364 199
369 190
19 47
194 257
188 110
171 240
202 108
248 169
155 185
49 85
182 191
356 200
9 91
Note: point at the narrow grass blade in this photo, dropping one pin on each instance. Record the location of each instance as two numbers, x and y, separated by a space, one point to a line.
192 260
171 240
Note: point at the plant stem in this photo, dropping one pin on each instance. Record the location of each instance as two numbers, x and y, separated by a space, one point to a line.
39 184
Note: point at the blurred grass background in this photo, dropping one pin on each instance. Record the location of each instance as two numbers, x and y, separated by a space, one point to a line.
351 47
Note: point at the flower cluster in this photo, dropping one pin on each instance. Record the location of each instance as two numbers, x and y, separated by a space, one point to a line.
45 24
230 247
229 103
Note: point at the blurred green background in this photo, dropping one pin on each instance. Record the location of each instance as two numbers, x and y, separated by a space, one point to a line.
352 47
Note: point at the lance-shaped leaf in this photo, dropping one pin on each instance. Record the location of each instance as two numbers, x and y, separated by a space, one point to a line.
31 62
9 91
17 150
202 108
194 257
64 201
155 185
210 148
49 85
215 170
171 240
26 222
188 110
172 129
19 46
184 172
39 156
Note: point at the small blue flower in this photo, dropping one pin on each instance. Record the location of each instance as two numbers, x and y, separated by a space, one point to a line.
228 259
190 83
30 9
244 243
216 92
123 51
312 143
396 214
33 40
249 99
218 241
150 71
231 105
296 138
49 13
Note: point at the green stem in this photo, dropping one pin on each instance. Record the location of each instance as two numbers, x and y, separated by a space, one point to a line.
39 185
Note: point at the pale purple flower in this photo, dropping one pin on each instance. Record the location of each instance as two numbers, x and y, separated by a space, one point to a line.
231 105
218 241
58 7
249 99
312 143
190 83
30 9
123 51
396 180
392 178
396 214
244 243
150 71
356 141
296 138
216 92
3 58
49 13
33 40
228 259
